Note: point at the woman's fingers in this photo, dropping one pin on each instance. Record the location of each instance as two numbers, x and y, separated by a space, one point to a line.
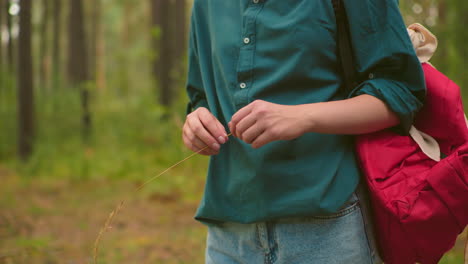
242 113
245 124
195 148
196 145
203 132
237 117
221 128
253 132
261 140
200 131
213 126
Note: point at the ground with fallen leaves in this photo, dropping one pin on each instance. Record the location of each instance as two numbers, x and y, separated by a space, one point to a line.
48 222
57 222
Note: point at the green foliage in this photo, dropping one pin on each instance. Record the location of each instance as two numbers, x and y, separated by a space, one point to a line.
452 257
132 138
8 114
33 243
446 19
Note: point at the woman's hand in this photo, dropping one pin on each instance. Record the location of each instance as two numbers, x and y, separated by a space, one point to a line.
261 122
202 129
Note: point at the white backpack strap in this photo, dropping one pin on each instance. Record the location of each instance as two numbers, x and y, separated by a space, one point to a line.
425 45
424 42
428 144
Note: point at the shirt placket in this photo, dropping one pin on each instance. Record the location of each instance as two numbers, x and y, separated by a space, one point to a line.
245 62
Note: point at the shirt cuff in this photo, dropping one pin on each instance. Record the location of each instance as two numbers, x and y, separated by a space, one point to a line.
396 96
192 106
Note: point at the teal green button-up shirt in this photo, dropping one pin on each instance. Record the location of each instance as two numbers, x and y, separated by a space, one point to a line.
285 52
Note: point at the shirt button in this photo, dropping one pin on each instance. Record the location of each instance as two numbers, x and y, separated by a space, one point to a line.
246 40
255 1
371 76
242 85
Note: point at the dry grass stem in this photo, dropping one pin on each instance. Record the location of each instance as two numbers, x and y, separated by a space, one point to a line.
108 223
168 169
106 227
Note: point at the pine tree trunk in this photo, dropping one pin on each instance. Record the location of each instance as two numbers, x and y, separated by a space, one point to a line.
57 4
78 61
43 60
1 46
155 27
181 29
98 47
25 84
125 42
10 51
166 54
94 24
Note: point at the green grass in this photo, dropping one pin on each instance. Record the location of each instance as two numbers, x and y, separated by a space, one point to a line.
54 204
132 137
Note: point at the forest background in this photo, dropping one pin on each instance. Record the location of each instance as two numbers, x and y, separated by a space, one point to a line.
91 106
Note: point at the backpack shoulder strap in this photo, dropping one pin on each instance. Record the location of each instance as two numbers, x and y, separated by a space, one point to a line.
345 49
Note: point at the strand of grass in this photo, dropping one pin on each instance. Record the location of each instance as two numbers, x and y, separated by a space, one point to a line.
168 169
106 227
108 224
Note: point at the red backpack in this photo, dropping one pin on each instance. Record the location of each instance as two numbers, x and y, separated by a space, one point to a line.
420 203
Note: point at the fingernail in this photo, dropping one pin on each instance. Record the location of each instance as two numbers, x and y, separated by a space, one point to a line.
216 146
222 140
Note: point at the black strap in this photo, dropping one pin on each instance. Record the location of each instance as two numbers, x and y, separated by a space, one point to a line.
345 49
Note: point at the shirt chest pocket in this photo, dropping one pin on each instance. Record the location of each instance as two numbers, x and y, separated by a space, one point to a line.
361 15
314 36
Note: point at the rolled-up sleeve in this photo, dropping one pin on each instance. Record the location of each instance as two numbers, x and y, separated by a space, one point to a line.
194 84
386 61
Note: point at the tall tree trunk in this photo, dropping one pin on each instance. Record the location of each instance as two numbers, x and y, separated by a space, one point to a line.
166 54
155 36
78 60
181 29
93 6
56 20
9 24
162 67
43 54
1 45
125 42
99 47
25 84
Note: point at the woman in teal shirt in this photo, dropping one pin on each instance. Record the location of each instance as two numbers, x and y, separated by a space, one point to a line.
282 189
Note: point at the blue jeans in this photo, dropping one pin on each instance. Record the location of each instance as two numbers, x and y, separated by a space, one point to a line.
344 237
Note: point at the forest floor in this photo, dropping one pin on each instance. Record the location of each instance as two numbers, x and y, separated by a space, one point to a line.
48 222
58 222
